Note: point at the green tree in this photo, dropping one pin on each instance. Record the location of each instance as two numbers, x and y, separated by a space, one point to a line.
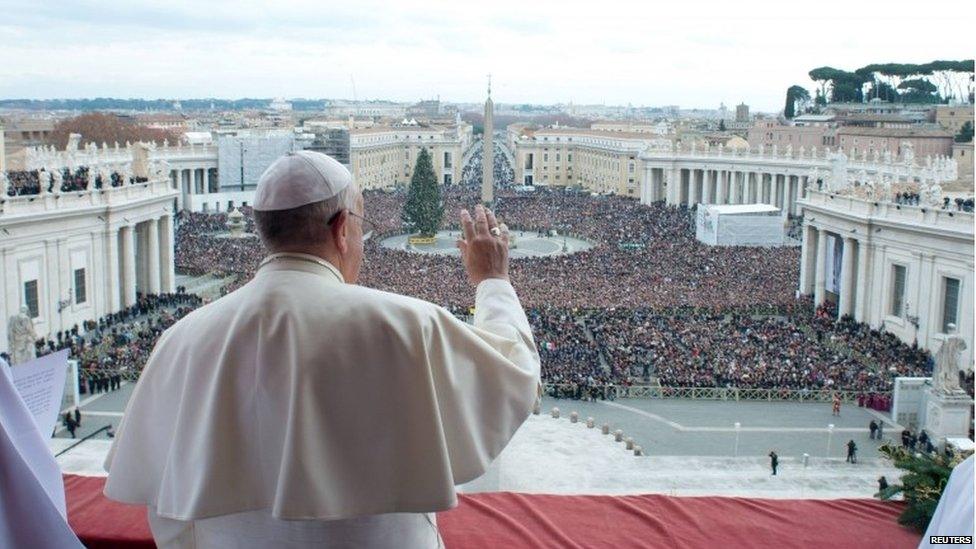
918 90
424 208
721 125
921 485
794 95
839 85
965 134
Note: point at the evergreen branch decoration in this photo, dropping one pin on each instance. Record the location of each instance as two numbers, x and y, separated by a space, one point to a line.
925 478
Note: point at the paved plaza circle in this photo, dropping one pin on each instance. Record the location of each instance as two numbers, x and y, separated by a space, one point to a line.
527 244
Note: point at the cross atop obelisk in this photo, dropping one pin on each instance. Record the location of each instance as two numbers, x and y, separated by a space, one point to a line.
488 162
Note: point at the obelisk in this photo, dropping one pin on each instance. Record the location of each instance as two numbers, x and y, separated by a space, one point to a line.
488 162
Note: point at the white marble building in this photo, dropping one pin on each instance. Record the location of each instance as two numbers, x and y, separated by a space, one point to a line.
689 175
75 256
906 269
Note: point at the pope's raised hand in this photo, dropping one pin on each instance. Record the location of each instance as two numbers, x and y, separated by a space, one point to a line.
484 247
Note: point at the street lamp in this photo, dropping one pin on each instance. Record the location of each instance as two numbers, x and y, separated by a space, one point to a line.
735 452
241 142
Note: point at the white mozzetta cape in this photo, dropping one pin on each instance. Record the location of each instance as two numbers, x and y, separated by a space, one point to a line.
316 399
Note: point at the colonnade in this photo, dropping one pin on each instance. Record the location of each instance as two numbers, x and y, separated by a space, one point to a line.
139 258
853 282
195 180
690 186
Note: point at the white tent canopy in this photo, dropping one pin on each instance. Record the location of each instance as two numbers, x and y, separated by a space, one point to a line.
740 225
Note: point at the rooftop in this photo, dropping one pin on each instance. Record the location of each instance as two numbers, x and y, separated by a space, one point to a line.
739 209
893 132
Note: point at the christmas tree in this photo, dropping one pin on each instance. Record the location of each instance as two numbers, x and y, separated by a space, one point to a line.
922 484
424 209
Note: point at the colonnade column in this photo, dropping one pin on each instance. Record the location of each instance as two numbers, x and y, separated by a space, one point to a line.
861 295
846 302
707 186
774 184
820 283
112 271
807 258
127 236
720 186
787 187
674 187
168 266
152 228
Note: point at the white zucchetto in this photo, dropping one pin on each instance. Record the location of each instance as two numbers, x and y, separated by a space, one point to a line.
300 178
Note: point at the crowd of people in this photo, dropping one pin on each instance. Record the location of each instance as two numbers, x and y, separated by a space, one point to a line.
648 300
961 204
30 182
502 171
22 183
117 345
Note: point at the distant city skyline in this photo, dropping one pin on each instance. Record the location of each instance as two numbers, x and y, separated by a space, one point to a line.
695 55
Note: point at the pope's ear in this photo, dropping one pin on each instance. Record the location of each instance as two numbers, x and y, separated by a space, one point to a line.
340 230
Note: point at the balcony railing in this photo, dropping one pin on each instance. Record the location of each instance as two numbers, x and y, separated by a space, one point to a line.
734 394
110 196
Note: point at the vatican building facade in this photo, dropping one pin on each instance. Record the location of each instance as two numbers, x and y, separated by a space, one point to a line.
69 256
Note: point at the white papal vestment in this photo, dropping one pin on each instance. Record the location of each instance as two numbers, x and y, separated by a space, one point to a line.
301 398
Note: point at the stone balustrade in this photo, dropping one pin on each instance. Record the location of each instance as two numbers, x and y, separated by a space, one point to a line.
883 211
110 155
108 196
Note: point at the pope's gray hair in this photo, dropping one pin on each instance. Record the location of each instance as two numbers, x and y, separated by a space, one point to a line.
304 225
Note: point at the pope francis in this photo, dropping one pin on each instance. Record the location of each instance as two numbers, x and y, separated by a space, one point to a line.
303 410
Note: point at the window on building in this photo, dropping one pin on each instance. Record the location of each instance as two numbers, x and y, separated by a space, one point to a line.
30 298
557 157
447 179
569 158
447 160
898 291
81 292
545 157
950 303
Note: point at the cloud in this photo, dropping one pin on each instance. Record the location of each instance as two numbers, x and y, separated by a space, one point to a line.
692 54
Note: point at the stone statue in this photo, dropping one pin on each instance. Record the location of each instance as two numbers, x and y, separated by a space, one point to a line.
4 184
43 180
106 175
945 377
908 153
21 338
58 180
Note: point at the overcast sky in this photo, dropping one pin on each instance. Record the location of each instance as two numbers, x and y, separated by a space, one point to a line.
696 54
